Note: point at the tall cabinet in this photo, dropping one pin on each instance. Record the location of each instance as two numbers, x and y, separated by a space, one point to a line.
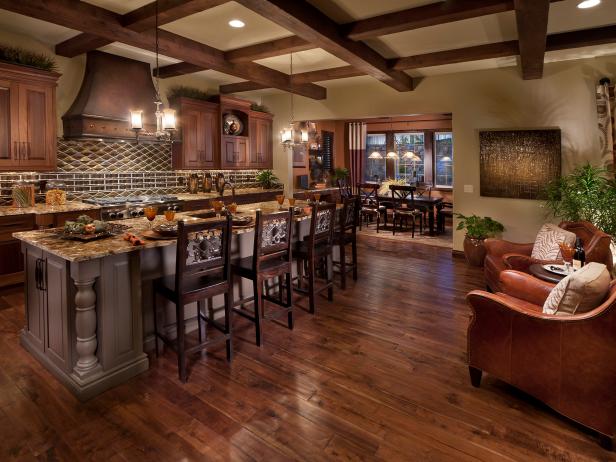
261 143
199 144
27 118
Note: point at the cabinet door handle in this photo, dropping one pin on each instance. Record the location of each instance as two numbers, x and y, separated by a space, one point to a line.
28 149
44 275
37 273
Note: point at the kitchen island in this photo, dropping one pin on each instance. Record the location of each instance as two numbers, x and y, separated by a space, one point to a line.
89 305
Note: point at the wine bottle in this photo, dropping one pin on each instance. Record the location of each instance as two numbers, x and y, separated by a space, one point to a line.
579 257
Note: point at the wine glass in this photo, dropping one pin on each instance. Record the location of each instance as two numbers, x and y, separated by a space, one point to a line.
150 213
169 214
232 208
292 202
280 200
567 251
217 207
317 197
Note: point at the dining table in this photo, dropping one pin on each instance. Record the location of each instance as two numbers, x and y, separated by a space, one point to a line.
429 202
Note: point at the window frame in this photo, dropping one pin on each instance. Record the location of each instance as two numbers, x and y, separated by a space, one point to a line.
429 155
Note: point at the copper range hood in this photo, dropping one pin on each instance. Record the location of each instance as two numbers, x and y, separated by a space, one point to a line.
112 86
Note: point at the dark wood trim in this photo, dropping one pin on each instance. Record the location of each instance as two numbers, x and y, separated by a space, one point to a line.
581 38
84 16
532 21
177 69
138 20
309 23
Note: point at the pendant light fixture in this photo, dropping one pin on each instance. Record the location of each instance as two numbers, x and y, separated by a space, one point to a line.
392 154
293 134
165 118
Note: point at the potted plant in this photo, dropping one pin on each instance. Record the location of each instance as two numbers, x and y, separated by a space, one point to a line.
478 229
340 173
267 179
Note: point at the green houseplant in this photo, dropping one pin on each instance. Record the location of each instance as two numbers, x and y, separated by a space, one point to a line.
267 179
585 194
179 91
478 229
16 55
340 173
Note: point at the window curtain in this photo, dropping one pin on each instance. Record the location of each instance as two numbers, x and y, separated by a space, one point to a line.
357 151
606 108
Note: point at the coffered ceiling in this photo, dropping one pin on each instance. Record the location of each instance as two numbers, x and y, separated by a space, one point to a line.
210 27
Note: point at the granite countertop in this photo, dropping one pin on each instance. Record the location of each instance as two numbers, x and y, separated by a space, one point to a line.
42 209
227 193
316 190
76 251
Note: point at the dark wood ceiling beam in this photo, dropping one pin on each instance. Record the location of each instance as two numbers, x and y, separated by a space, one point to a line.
425 16
322 75
309 23
581 38
532 21
174 70
278 47
459 55
105 23
139 20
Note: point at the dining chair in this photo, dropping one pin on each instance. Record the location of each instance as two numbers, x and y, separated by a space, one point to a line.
404 208
370 205
344 188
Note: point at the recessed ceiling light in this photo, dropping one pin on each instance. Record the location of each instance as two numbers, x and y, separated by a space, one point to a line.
588 3
236 23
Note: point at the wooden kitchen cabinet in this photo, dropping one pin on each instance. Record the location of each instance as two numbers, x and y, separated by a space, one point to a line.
27 118
199 143
11 262
261 141
235 152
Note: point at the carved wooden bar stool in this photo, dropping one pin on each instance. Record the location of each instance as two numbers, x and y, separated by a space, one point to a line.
202 271
315 249
271 258
345 234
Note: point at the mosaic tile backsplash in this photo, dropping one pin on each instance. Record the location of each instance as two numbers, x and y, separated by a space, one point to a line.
92 168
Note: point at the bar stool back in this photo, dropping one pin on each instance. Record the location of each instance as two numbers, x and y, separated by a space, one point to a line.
345 234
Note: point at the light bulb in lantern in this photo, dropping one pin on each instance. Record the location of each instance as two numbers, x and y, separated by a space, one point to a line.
304 136
392 155
168 119
136 120
286 135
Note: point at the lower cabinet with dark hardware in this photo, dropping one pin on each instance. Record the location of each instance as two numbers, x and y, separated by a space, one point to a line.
47 292
11 262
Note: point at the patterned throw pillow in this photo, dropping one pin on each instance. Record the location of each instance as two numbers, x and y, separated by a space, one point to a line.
579 292
546 244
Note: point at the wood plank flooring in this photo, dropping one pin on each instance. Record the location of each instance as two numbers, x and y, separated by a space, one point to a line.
379 374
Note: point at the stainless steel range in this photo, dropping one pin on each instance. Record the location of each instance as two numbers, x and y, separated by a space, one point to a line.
119 208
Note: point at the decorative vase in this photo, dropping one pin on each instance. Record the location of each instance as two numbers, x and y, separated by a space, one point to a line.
474 251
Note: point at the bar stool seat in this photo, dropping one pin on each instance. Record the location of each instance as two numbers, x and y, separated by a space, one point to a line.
195 289
243 266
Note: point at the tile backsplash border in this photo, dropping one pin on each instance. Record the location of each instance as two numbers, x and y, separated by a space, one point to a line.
96 168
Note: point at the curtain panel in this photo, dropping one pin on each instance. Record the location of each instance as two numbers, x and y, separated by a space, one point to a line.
606 107
357 151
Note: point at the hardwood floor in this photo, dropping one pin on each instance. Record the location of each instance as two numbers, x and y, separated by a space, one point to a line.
379 374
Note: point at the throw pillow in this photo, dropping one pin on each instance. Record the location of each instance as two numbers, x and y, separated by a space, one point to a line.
546 244
579 292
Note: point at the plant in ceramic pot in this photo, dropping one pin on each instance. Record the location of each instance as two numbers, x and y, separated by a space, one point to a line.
478 229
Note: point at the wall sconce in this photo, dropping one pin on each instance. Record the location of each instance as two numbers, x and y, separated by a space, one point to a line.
136 122
168 119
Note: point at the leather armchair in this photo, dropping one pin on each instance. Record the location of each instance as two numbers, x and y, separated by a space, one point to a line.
502 255
568 362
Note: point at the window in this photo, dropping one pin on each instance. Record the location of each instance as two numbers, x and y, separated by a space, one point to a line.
376 148
443 147
410 148
424 156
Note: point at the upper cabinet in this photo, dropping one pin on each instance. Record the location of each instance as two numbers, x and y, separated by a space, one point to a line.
27 118
199 144
222 133
261 143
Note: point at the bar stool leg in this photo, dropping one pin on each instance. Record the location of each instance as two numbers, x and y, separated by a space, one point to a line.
179 321
155 320
228 325
289 301
342 264
258 290
200 309
354 254
311 283
330 277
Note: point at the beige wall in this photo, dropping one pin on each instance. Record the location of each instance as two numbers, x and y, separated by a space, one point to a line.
486 99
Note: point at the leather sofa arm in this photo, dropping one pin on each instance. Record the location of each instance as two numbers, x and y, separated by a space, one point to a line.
499 247
525 287
484 303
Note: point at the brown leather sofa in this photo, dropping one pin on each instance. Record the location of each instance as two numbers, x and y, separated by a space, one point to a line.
502 255
568 362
